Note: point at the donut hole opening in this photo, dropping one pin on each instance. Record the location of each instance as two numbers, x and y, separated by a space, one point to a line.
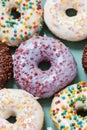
44 65
82 112
71 12
14 13
11 119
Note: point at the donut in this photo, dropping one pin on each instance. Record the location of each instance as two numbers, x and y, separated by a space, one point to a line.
68 106
19 20
6 65
67 19
28 74
84 58
23 106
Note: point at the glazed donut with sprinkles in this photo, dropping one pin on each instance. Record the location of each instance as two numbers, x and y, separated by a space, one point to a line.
67 19
19 20
31 77
24 107
69 107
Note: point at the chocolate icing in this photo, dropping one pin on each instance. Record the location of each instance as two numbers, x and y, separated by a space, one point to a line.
5 65
84 59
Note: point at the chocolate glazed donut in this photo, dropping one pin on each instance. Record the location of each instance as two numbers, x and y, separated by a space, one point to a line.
84 58
5 65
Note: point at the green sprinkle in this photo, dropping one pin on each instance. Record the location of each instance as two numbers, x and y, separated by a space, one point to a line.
71 103
59 121
54 113
10 23
79 87
85 108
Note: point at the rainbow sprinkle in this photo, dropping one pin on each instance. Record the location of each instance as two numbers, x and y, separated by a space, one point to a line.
65 107
14 30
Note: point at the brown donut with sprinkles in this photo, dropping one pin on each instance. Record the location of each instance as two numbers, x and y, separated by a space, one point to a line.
5 65
84 59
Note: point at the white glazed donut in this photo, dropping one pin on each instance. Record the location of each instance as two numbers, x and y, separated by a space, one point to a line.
19 103
33 79
67 107
61 24
28 22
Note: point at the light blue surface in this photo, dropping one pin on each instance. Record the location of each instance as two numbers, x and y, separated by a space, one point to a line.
77 50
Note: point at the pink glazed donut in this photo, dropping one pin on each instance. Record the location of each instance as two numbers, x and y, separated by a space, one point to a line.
43 83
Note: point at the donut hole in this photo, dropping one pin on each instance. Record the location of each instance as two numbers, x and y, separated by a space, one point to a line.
11 119
14 13
44 65
71 12
82 112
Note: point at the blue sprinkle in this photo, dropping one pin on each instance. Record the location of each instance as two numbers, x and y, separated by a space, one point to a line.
12 38
62 127
29 33
23 8
63 97
30 7
80 123
15 31
39 30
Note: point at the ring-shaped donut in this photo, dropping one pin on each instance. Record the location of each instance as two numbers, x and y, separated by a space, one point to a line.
84 58
23 25
6 65
68 108
57 17
33 79
22 105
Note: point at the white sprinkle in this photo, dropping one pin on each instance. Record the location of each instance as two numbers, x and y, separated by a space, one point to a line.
49 128
45 35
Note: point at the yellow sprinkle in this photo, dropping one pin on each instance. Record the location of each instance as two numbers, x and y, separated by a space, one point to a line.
85 128
34 22
67 128
56 124
63 107
0 25
7 31
24 23
27 18
26 26
19 38
17 10
3 41
31 13
7 10
21 30
6 36
77 126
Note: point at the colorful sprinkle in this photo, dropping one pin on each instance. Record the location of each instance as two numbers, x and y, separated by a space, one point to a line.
30 20
72 102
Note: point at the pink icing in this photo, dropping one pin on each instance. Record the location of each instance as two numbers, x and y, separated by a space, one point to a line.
41 83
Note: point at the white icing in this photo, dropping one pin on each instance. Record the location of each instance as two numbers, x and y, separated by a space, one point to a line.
13 31
28 112
68 28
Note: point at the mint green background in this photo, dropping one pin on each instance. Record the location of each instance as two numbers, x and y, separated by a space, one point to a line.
77 51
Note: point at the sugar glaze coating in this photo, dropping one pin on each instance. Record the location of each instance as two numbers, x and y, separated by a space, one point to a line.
66 106
41 83
15 30
69 28
19 103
